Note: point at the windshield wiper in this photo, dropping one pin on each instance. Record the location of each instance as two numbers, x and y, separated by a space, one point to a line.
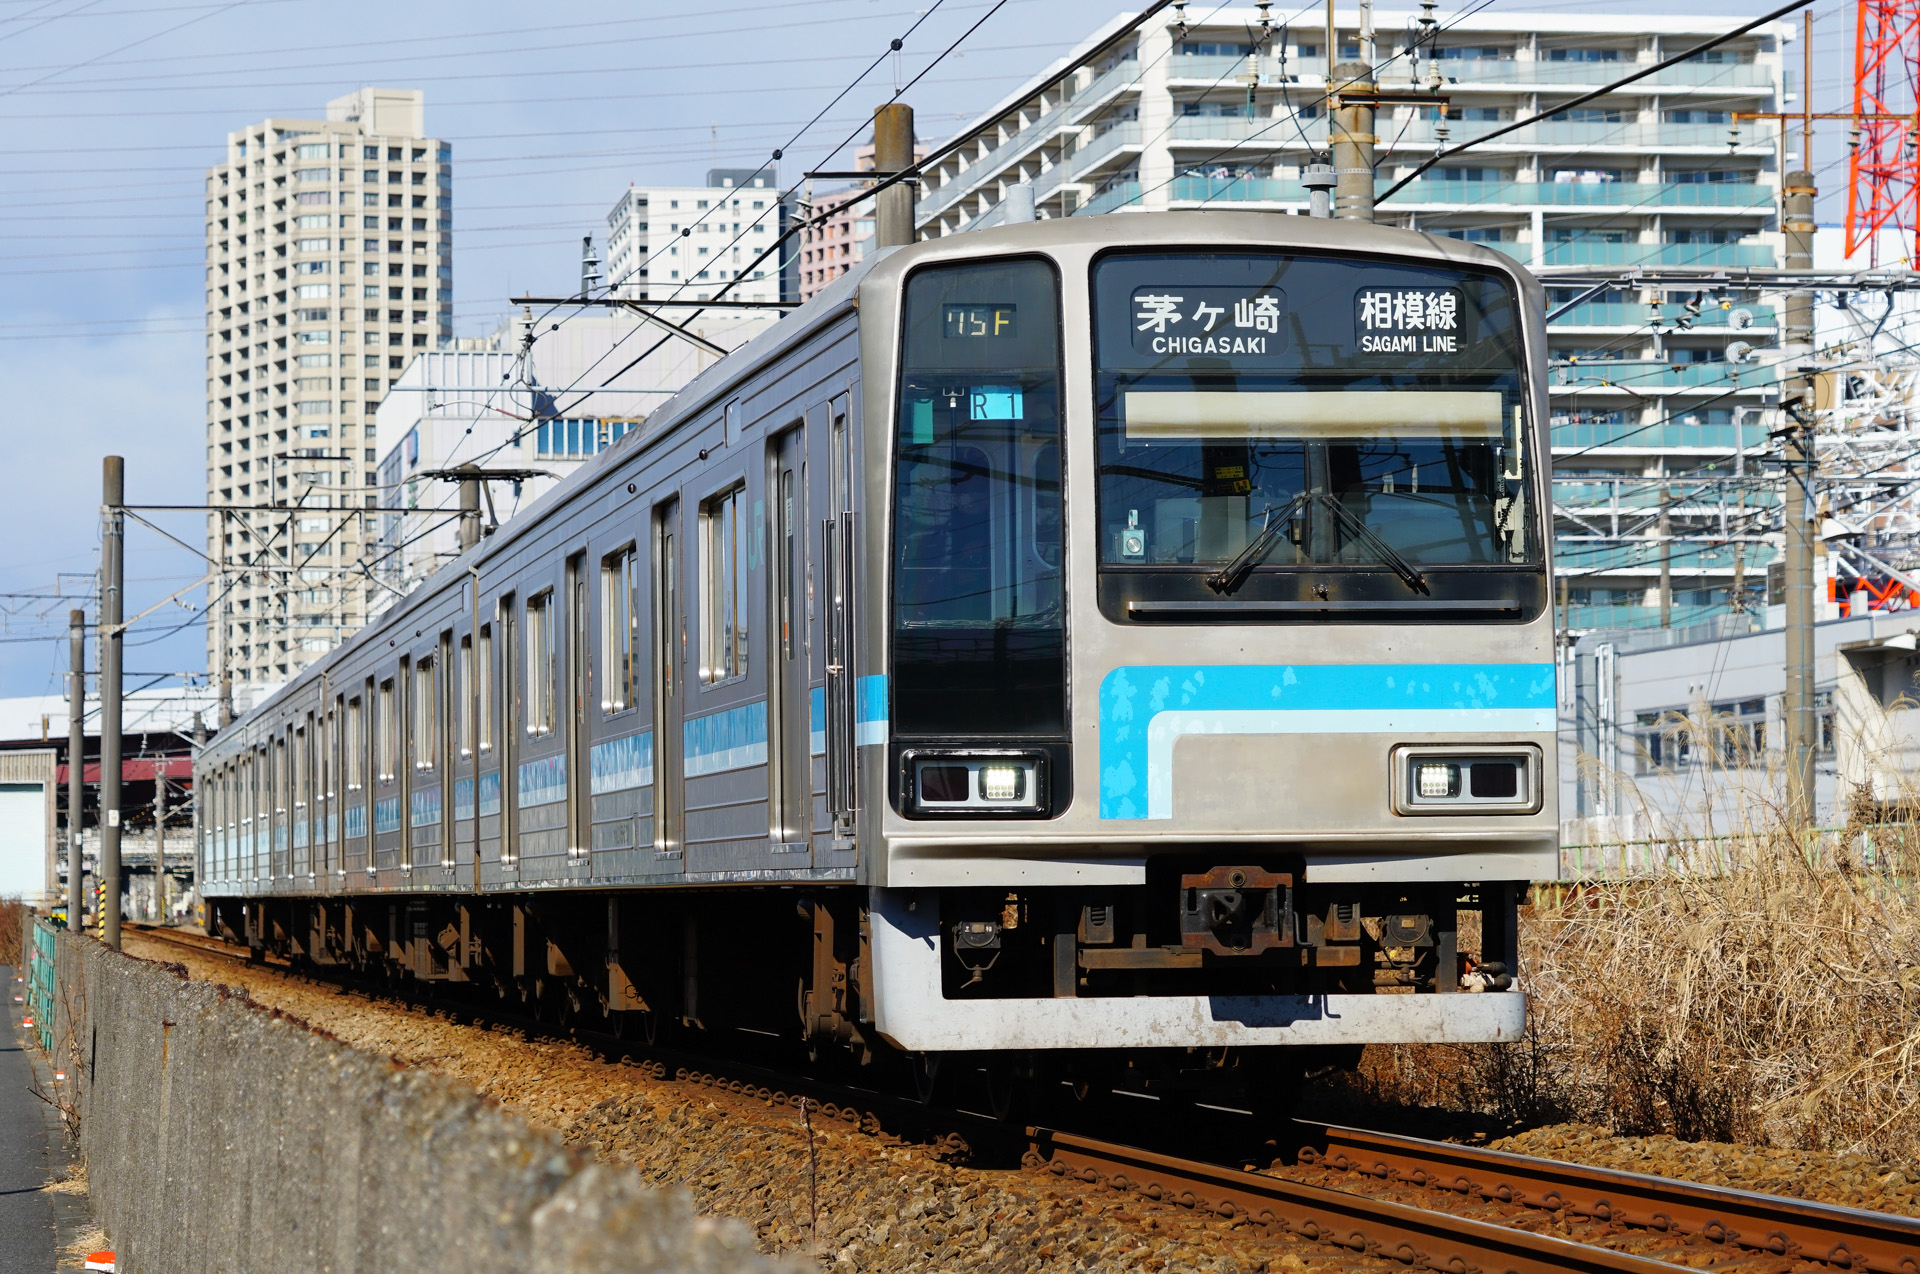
1228 579
1409 576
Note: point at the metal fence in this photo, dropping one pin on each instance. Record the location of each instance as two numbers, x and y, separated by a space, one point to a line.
40 977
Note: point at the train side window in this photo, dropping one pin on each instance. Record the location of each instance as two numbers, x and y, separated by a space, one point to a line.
540 668
425 721
723 620
463 693
619 628
484 709
384 730
300 768
355 738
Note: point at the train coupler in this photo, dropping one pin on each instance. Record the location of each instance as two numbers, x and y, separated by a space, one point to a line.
1234 911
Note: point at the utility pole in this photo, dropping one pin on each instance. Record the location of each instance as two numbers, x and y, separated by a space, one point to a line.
1797 508
469 506
220 654
893 153
112 581
1665 533
1350 137
76 759
160 843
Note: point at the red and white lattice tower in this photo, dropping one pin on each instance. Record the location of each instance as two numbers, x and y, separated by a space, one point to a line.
1884 173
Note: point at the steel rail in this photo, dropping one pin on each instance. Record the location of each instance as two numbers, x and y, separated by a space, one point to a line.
1415 1237
1841 1237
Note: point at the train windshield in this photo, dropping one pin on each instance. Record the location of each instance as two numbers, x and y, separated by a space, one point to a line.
979 634
1280 426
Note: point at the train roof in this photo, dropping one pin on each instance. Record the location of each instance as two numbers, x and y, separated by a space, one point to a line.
1209 228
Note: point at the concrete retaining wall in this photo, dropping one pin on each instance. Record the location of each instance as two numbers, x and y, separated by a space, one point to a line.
222 1137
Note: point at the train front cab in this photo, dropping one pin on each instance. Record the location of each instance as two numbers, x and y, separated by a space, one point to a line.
1216 636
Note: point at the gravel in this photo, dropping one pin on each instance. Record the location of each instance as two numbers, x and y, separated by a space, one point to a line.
1854 1181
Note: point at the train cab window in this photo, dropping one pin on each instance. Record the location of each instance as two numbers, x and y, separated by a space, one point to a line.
1284 435
723 616
979 628
619 628
540 669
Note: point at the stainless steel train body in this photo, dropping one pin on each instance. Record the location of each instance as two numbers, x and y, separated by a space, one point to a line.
1106 633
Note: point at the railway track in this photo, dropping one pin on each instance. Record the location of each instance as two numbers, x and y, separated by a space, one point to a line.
1842 1238
1706 1217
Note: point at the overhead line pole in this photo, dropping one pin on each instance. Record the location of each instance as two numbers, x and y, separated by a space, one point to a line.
112 584
76 760
1797 506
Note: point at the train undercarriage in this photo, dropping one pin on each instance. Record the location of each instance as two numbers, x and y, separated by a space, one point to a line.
786 975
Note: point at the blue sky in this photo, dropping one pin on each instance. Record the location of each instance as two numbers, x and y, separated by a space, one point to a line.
113 109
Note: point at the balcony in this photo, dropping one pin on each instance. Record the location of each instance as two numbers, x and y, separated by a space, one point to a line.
1567 194
1704 255
1666 435
1087 158
1236 190
1119 195
1631 314
1267 130
1689 556
1691 492
1040 131
1628 135
1647 376
1585 617
1508 72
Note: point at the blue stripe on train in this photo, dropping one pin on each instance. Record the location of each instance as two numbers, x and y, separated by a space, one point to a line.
1144 710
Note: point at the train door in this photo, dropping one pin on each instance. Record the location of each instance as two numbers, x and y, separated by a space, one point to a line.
789 763
841 544
669 683
579 695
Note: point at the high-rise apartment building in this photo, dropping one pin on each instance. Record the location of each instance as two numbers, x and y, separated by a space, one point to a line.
329 266
687 242
1661 391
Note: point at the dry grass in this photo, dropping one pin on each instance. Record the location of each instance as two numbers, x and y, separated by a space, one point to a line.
74 1181
13 923
1753 985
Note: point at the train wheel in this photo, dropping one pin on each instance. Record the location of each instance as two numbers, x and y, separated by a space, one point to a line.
925 1068
1009 1089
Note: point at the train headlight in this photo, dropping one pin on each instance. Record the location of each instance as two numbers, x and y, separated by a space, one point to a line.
1002 782
1438 779
969 782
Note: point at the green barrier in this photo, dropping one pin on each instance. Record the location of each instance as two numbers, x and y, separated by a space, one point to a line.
40 979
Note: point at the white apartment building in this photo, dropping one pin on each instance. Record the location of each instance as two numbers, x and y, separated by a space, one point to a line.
686 242
478 406
1660 394
329 266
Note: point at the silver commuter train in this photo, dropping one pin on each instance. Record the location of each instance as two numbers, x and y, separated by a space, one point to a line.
1128 635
